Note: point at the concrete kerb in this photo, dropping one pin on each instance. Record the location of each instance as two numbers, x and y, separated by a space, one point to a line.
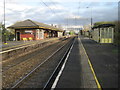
88 80
90 72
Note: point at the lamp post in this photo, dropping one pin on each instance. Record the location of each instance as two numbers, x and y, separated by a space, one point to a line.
91 19
4 30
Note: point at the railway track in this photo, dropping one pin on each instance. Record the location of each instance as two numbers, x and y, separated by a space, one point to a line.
53 79
14 62
43 75
21 44
19 67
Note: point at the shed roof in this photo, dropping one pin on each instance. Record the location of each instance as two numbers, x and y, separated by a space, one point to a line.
104 25
32 24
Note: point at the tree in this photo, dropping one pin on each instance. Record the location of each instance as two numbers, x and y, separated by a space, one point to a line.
117 32
9 33
1 31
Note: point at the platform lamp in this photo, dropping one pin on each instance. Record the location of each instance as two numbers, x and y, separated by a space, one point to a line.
4 29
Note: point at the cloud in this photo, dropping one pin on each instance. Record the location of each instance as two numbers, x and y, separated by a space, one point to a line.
17 10
65 0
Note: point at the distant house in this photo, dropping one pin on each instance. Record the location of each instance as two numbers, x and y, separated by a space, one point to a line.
32 30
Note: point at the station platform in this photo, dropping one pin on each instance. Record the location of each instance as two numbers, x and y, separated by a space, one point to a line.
77 72
104 59
15 44
90 65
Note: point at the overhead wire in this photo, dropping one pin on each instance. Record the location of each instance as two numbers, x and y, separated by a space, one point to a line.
47 6
56 7
51 8
67 20
78 11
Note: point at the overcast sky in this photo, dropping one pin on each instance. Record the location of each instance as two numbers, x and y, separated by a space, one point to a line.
64 12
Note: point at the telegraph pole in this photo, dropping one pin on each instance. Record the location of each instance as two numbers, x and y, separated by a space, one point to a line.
91 20
4 29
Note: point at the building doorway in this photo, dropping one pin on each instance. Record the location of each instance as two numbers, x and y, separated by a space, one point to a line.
18 36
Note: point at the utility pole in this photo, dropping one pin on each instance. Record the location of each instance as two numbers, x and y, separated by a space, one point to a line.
4 29
91 20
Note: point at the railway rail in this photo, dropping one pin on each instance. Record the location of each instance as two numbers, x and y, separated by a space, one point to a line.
21 44
52 81
26 82
48 59
14 62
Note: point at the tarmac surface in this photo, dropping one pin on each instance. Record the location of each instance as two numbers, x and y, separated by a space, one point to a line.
77 72
104 58
71 75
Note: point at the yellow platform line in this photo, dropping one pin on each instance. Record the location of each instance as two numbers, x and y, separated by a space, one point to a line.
91 67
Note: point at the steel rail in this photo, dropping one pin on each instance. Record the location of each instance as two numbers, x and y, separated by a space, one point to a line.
46 86
20 81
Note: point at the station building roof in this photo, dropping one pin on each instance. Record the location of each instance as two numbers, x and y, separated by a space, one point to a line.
32 24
